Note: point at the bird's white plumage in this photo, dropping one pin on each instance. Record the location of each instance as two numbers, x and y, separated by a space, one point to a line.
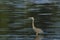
37 30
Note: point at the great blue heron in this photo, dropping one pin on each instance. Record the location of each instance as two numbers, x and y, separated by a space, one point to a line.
37 30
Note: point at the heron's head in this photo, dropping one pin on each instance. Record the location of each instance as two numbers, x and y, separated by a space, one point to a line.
31 18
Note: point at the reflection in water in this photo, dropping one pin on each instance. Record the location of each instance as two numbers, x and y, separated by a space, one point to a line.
39 37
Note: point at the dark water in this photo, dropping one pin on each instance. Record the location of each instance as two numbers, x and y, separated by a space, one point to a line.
32 36
17 20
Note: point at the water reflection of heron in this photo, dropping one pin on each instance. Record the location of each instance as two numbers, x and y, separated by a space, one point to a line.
39 37
37 30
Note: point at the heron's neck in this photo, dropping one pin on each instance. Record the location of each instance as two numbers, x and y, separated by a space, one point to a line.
33 24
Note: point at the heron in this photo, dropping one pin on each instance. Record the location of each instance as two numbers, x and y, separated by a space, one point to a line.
37 30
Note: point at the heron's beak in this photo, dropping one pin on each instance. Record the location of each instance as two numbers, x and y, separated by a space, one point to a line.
29 18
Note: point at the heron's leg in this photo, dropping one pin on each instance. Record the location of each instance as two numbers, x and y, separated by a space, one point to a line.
36 33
